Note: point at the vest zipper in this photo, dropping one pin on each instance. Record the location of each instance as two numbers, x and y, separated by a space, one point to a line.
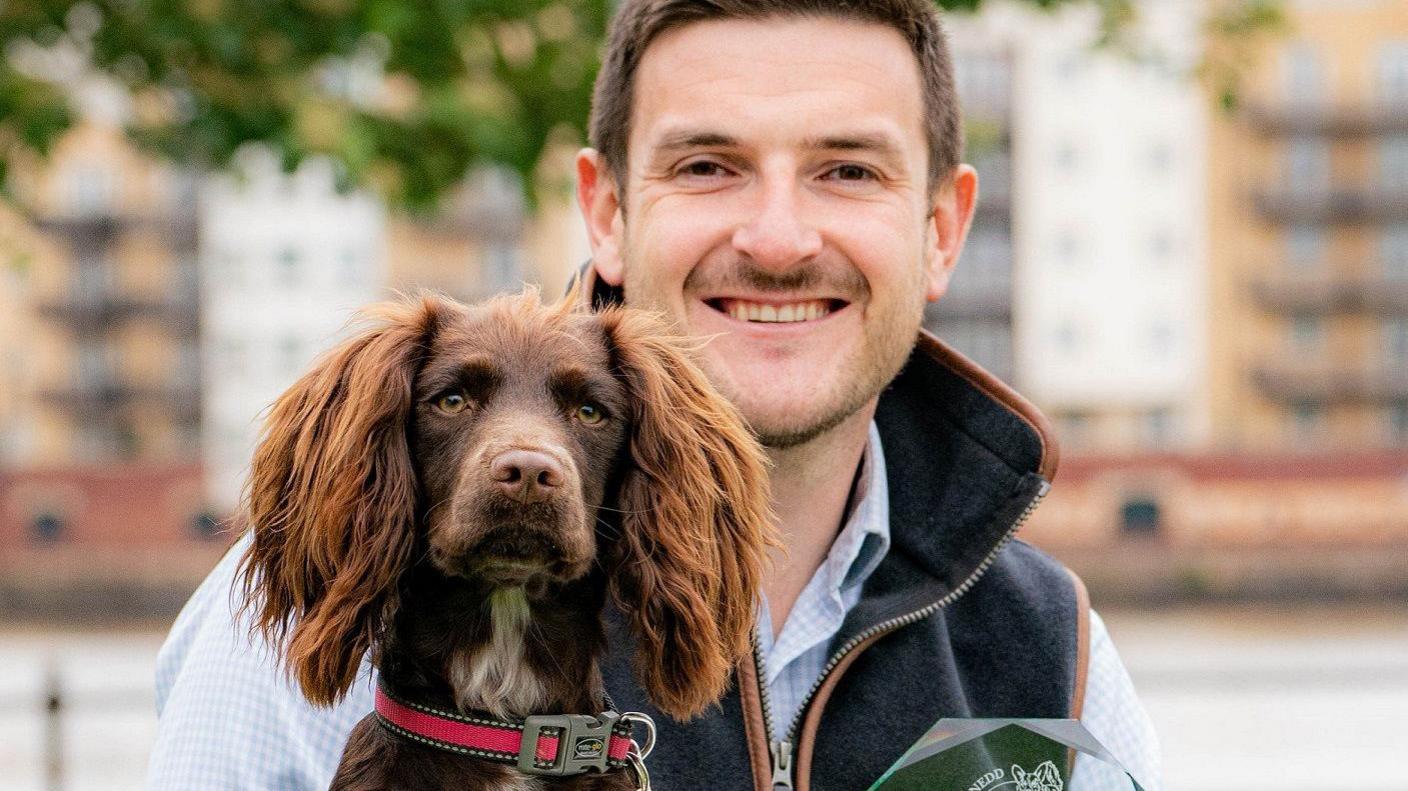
782 751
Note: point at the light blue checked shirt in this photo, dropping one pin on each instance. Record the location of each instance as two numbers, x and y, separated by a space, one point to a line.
229 718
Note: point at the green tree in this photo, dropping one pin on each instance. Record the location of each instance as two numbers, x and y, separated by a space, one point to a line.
403 96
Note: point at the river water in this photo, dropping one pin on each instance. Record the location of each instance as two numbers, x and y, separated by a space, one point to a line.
1245 699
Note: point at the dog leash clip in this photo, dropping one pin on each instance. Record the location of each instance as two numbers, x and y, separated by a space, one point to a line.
636 754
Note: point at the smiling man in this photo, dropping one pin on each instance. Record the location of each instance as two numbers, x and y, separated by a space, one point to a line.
782 177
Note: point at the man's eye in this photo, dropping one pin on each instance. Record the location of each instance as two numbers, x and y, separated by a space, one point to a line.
453 403
702 169
852 173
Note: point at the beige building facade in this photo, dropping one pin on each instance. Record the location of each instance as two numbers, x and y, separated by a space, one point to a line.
1308 187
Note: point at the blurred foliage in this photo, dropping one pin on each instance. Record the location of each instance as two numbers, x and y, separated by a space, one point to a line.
402 96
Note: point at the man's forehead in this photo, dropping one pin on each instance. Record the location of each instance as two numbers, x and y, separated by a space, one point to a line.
714 77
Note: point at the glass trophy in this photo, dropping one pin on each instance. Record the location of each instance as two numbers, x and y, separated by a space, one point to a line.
1007 755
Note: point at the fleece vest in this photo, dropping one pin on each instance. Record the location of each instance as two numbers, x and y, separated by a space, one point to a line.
958 620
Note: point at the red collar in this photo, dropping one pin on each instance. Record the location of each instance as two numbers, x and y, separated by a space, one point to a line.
552 744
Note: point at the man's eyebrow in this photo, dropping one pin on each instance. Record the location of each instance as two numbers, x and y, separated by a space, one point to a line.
879 144
685 139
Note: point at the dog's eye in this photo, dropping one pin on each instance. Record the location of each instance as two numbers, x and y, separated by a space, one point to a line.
591 414
452 402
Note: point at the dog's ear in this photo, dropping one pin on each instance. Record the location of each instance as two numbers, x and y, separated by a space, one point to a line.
695 521
331 500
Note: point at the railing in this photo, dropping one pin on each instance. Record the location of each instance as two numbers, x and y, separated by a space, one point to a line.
1327 120
52 705
1308 204
1291 381
1290 293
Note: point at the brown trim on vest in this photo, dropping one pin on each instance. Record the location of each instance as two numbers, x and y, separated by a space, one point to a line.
1082 644
806 737
1000 392
755 728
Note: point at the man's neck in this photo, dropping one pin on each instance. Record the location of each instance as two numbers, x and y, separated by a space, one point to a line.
810 486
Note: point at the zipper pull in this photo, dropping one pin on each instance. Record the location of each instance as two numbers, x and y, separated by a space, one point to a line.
781 764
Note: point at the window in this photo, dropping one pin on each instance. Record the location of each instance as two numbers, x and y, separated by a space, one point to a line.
503 270
1305 246
91 189
351 265
1139 516
205 525
288 266
47 527
1393 72
983 79
291 350
1398 422
1306 417
1393 252
1307 332
1161 339
1158 427
1307 163
1395 343
988 261
1304 74
1393 163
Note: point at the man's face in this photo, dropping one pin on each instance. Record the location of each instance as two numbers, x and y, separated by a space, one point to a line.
777 202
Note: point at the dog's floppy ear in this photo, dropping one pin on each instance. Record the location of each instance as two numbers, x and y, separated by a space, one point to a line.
331 500
695 521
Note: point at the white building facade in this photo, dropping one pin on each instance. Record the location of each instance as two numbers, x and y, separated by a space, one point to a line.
285 262
1108 202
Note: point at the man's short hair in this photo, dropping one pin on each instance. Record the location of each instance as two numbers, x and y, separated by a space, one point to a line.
639 22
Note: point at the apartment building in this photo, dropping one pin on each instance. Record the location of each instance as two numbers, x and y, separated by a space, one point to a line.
112 286
1308 184
1094 224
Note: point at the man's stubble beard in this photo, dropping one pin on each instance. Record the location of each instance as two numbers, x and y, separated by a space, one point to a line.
887 346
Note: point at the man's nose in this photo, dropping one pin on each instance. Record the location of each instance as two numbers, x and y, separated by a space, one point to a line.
778 234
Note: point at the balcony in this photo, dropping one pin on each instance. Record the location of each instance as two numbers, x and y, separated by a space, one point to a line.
97 312
1327 120
104 399
1288 205
1291 381
1326 294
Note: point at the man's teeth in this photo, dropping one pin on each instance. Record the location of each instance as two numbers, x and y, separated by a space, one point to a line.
795 311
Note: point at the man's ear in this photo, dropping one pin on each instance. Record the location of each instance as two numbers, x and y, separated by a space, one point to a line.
597 197
948 228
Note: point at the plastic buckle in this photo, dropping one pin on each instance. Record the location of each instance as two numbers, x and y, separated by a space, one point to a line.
583 743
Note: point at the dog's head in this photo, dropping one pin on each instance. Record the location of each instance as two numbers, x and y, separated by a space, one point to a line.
487 439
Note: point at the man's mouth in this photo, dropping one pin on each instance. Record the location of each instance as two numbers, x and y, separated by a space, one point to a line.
776 312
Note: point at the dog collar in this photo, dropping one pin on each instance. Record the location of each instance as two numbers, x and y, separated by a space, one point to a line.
542 744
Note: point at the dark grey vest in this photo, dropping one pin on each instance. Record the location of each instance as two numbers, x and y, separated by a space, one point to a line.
963 467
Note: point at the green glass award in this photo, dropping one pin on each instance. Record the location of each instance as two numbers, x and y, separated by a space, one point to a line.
1007 755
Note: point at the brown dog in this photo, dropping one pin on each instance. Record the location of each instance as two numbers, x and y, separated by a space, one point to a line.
458 489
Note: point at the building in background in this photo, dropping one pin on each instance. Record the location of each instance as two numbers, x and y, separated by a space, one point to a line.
1094 222
115 346
1309 191
286 261
975 315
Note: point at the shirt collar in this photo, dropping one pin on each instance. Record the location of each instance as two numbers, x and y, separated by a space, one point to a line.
865 539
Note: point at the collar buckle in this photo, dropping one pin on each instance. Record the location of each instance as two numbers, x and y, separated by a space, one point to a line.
583 743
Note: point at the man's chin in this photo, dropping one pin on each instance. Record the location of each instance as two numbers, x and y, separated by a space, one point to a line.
786 431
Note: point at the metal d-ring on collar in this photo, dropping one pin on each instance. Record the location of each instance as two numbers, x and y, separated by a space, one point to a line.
636 755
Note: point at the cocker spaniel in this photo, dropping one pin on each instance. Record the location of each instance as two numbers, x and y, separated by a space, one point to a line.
458 490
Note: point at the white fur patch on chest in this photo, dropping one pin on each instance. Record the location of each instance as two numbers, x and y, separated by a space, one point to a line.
494 677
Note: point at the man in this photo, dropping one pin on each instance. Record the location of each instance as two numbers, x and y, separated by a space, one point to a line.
782 177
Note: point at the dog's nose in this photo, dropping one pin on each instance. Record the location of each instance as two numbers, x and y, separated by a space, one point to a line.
525 475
